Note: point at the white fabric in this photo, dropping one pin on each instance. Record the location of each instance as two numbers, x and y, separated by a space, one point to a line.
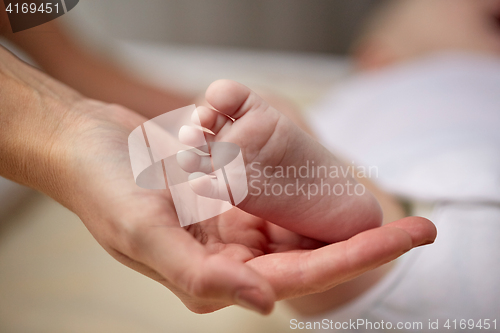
432 129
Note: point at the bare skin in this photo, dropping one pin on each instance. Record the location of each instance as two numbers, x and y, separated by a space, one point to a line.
271 144
394 35
392 209
90 74
339 295
75 150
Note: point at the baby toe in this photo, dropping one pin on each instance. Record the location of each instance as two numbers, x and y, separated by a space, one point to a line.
210 119
190 161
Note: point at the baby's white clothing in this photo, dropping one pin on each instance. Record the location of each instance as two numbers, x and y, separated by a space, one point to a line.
431 128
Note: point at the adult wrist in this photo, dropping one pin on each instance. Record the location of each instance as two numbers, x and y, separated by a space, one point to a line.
35 112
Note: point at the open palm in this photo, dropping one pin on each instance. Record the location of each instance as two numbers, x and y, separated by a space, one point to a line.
234 258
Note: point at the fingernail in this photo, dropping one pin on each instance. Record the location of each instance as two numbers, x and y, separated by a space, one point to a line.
427 242
252 299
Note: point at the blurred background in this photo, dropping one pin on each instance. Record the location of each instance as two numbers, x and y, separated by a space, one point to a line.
54 277
326 26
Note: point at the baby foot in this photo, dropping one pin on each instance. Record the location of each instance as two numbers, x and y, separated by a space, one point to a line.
293 181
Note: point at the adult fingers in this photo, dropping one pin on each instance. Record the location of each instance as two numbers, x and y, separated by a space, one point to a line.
203 281
302 273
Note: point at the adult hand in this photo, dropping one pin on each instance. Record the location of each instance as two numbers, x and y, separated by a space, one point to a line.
234 258
75 150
